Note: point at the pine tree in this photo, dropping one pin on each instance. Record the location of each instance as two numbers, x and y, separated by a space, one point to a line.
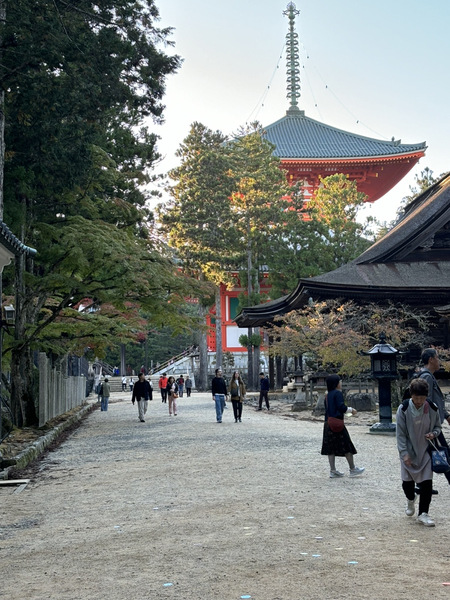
80 77
197 220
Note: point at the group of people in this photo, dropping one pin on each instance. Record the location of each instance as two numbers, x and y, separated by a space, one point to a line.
219 390
237 391
419 421
419 429
170 388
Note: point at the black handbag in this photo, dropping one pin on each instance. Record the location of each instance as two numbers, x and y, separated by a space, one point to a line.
439 458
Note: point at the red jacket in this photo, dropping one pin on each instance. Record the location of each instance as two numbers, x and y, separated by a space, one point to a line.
163 382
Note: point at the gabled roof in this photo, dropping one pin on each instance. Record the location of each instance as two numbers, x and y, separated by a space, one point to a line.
296 136
410 263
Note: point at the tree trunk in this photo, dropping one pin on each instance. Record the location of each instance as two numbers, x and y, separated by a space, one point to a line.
2 117
122 360
279 370
256 361
22 392
251 371
219 350
202 342
271 366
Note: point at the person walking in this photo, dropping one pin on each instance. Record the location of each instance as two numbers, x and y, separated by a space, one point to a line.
106 393
172 393
180 383
219 394
237 393
142 393
188 384
163 387
418 421
124 384
264 386
131 383
337 443
432 363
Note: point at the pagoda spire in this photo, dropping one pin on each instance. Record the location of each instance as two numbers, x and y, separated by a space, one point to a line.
292 61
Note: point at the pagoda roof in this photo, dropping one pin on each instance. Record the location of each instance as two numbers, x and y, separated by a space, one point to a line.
411 263
296 136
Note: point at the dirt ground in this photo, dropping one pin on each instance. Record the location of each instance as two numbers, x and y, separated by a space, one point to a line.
182 507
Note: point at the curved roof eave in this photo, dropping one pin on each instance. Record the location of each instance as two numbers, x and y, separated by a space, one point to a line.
298 136
424 214
365 159
12 243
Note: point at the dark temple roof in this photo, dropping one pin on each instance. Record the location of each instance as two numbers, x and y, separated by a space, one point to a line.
411 263
12 243
296 136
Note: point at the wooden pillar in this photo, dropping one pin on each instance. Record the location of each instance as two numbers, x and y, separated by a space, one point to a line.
279 371
271 366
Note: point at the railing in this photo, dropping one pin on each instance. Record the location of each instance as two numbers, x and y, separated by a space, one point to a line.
57 392
105 367
172 361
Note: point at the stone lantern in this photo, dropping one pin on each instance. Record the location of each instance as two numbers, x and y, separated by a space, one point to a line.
383 362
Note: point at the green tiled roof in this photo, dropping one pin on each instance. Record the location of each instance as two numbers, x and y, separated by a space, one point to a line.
298 136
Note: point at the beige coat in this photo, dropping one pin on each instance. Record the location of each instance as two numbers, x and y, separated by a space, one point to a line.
237 394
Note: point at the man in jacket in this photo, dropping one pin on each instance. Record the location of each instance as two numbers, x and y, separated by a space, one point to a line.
219 394
142 392
431 362
264 386
163 387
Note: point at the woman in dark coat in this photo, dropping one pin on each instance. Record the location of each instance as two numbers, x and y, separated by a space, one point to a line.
337 443
237 392
172 394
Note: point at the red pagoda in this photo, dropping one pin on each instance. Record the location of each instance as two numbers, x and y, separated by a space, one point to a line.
309 149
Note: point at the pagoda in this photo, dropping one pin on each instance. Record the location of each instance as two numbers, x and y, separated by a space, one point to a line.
309 149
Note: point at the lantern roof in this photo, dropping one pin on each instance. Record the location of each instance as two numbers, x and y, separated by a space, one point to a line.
382 348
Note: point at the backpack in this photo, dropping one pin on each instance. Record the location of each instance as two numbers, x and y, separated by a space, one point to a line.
405 404
407 391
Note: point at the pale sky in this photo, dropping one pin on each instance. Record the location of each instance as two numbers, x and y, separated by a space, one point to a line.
379 69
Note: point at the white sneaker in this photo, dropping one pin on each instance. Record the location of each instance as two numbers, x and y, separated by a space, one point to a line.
426 520
410 508
357 471
335 474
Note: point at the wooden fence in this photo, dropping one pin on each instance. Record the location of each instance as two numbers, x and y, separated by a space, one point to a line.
58 393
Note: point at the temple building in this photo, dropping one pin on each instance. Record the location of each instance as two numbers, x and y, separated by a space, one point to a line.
410 264
309 150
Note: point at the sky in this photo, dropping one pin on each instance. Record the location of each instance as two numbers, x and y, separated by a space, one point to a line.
378 69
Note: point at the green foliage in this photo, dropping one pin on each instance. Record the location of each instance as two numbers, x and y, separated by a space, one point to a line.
81 79
254 340
335 332
337 235
422 182
196 220
258 203
162 344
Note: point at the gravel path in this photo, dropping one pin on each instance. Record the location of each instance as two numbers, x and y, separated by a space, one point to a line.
184 508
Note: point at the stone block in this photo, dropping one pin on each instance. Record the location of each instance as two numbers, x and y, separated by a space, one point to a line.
362 402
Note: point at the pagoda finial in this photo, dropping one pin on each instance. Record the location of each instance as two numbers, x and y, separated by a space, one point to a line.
292 61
